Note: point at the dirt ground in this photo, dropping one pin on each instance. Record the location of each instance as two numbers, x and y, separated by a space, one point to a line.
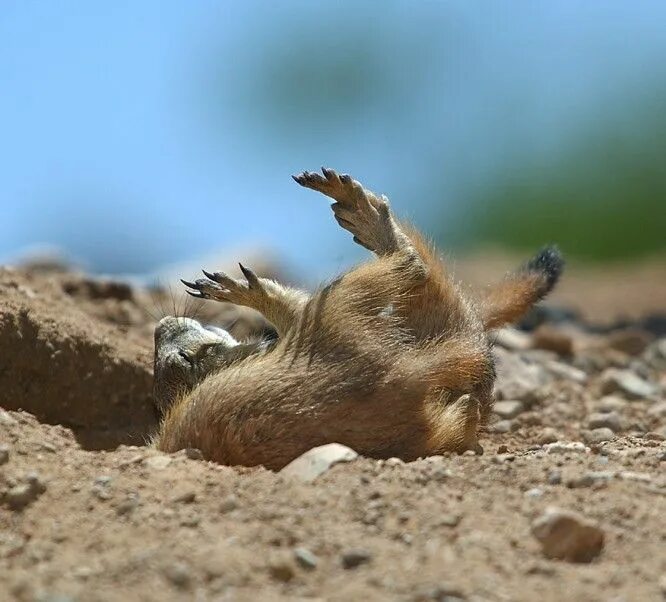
89 512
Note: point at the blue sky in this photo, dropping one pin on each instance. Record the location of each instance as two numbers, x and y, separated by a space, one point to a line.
136 134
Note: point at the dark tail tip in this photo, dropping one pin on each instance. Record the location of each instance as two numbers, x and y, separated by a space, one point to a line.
548 262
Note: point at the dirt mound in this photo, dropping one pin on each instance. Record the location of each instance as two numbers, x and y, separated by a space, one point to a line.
573 471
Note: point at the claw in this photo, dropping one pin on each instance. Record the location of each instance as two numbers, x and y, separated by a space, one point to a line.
250 276
329 173
219 277
189 284
196 295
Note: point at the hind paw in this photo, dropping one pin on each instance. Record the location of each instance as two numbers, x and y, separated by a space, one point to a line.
357 210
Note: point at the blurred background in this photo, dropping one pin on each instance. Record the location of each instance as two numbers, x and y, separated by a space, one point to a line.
139 134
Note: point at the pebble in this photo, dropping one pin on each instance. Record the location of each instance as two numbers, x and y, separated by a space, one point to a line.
229 504
352 559
179 574
305 558
449 520
566 371
315 462
614 380
23 494
608 420
517 378
630 341
611 403
598 435
547 435
554 477
128 505
159 462
186 496
552 339
512 339
567 535
563 447
658 410
4 454
508 409
6 419
281 568
193 453
503 426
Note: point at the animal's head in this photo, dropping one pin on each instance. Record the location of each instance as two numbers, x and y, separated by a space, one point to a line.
185 353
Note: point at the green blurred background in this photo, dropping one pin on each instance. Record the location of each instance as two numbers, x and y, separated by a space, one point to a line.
140 134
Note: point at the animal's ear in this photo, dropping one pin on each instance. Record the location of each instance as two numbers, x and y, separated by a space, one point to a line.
509 300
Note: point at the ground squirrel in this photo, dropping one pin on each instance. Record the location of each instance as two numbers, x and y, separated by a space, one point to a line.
391 359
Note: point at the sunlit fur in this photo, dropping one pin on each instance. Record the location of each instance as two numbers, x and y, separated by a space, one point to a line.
391 359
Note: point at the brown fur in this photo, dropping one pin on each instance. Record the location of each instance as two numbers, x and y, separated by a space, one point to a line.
390 359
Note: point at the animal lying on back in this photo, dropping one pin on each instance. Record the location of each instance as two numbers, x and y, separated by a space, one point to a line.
391 359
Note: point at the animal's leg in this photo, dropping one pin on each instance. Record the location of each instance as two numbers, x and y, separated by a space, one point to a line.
279 304
433 309
358 210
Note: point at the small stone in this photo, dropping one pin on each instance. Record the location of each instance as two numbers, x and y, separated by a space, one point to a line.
503 426
535 492
598 435
187 496
552 339
228 504
609 420
658 410
640 477
566 535
518 379
502 449
179 574
305 558
512 339
281 569
352 559
128 505
554 477
23 494
449 520
561 447
393 462
159 462
313 463
562 370
6 419
4 454
547 435
508 409
193 453
441 593
580 482
611 403
614 380
630 341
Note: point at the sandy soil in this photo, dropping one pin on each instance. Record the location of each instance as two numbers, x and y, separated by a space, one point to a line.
88 512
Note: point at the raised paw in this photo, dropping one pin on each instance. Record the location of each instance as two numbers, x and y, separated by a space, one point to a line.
217 286
357 210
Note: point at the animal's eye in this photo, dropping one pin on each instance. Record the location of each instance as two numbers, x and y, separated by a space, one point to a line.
186 357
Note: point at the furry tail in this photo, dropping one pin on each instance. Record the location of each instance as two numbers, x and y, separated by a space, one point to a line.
510 299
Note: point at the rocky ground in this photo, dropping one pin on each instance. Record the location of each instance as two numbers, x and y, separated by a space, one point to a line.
567 502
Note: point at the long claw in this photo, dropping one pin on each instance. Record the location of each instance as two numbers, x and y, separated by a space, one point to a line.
196 295
250 276
189 284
